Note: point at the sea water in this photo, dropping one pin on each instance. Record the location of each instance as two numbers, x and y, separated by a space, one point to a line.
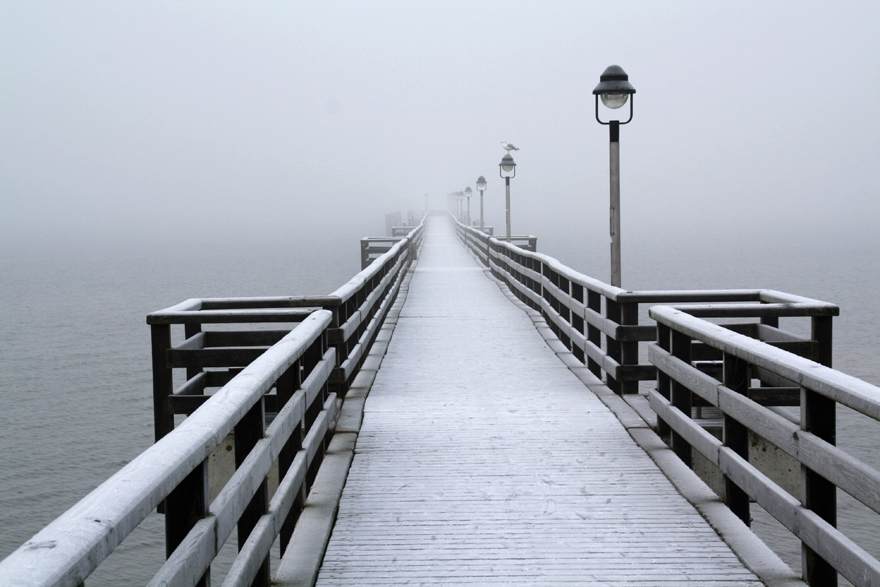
75 381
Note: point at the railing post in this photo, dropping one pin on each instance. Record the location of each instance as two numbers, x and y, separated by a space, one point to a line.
736 436
594 335
818 416
545 295
163 386
629 350
624 353
184 506
577 321
664 381
340 315
612 345
286 386
365 253
564 311
311 357
188 502
681 396
249 430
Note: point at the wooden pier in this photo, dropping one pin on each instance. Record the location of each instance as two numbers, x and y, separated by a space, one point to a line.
483 460
469 411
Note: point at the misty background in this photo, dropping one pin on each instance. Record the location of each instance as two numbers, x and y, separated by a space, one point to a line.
158 125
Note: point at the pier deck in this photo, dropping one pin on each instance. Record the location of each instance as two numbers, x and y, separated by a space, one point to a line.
483 460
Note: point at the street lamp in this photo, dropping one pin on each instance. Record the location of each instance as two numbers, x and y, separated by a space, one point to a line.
507 169
614 89
467 193
481 187
459 205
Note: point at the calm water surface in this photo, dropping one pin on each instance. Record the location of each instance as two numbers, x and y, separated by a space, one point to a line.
75 353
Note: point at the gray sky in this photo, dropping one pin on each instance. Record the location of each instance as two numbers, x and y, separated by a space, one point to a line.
138 121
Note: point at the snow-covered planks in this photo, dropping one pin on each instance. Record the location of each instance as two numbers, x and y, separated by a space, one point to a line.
483 460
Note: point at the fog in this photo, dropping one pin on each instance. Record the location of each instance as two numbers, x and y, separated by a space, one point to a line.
148 123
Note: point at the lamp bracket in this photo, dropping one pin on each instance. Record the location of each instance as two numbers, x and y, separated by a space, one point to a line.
632 97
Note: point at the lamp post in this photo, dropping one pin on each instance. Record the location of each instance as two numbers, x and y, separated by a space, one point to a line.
481 187
614 89
507 169
467 194
459 205
454 207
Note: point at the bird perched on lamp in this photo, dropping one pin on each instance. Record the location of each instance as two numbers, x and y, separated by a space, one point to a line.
508 146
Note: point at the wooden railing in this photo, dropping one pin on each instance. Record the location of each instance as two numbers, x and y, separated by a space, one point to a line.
747 367
686 345
600 323
309 368
72 546
372 247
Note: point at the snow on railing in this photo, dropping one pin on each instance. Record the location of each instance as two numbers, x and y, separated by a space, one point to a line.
308 367
688 348
72 546
600 323
720 350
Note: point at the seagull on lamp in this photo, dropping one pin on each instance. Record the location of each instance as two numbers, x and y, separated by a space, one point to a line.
509 147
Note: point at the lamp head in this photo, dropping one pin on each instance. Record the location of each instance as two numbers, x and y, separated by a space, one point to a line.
507 167
481 183
614 87
468 191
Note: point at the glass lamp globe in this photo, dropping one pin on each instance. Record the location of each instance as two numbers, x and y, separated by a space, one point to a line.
507 165
614 101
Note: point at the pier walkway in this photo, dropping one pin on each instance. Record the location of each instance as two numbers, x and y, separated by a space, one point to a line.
482 459
466 411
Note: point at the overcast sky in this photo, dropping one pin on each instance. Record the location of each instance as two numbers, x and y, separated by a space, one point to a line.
141 121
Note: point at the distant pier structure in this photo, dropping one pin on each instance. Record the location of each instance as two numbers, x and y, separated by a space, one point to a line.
468 411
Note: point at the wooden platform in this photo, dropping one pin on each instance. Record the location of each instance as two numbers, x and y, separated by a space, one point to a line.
483 460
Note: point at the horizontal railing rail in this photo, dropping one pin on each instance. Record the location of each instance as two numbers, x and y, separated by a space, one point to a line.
273 390
808 439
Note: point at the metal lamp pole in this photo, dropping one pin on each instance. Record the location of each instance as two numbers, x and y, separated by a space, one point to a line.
614 89
467 194
507 169
481 187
